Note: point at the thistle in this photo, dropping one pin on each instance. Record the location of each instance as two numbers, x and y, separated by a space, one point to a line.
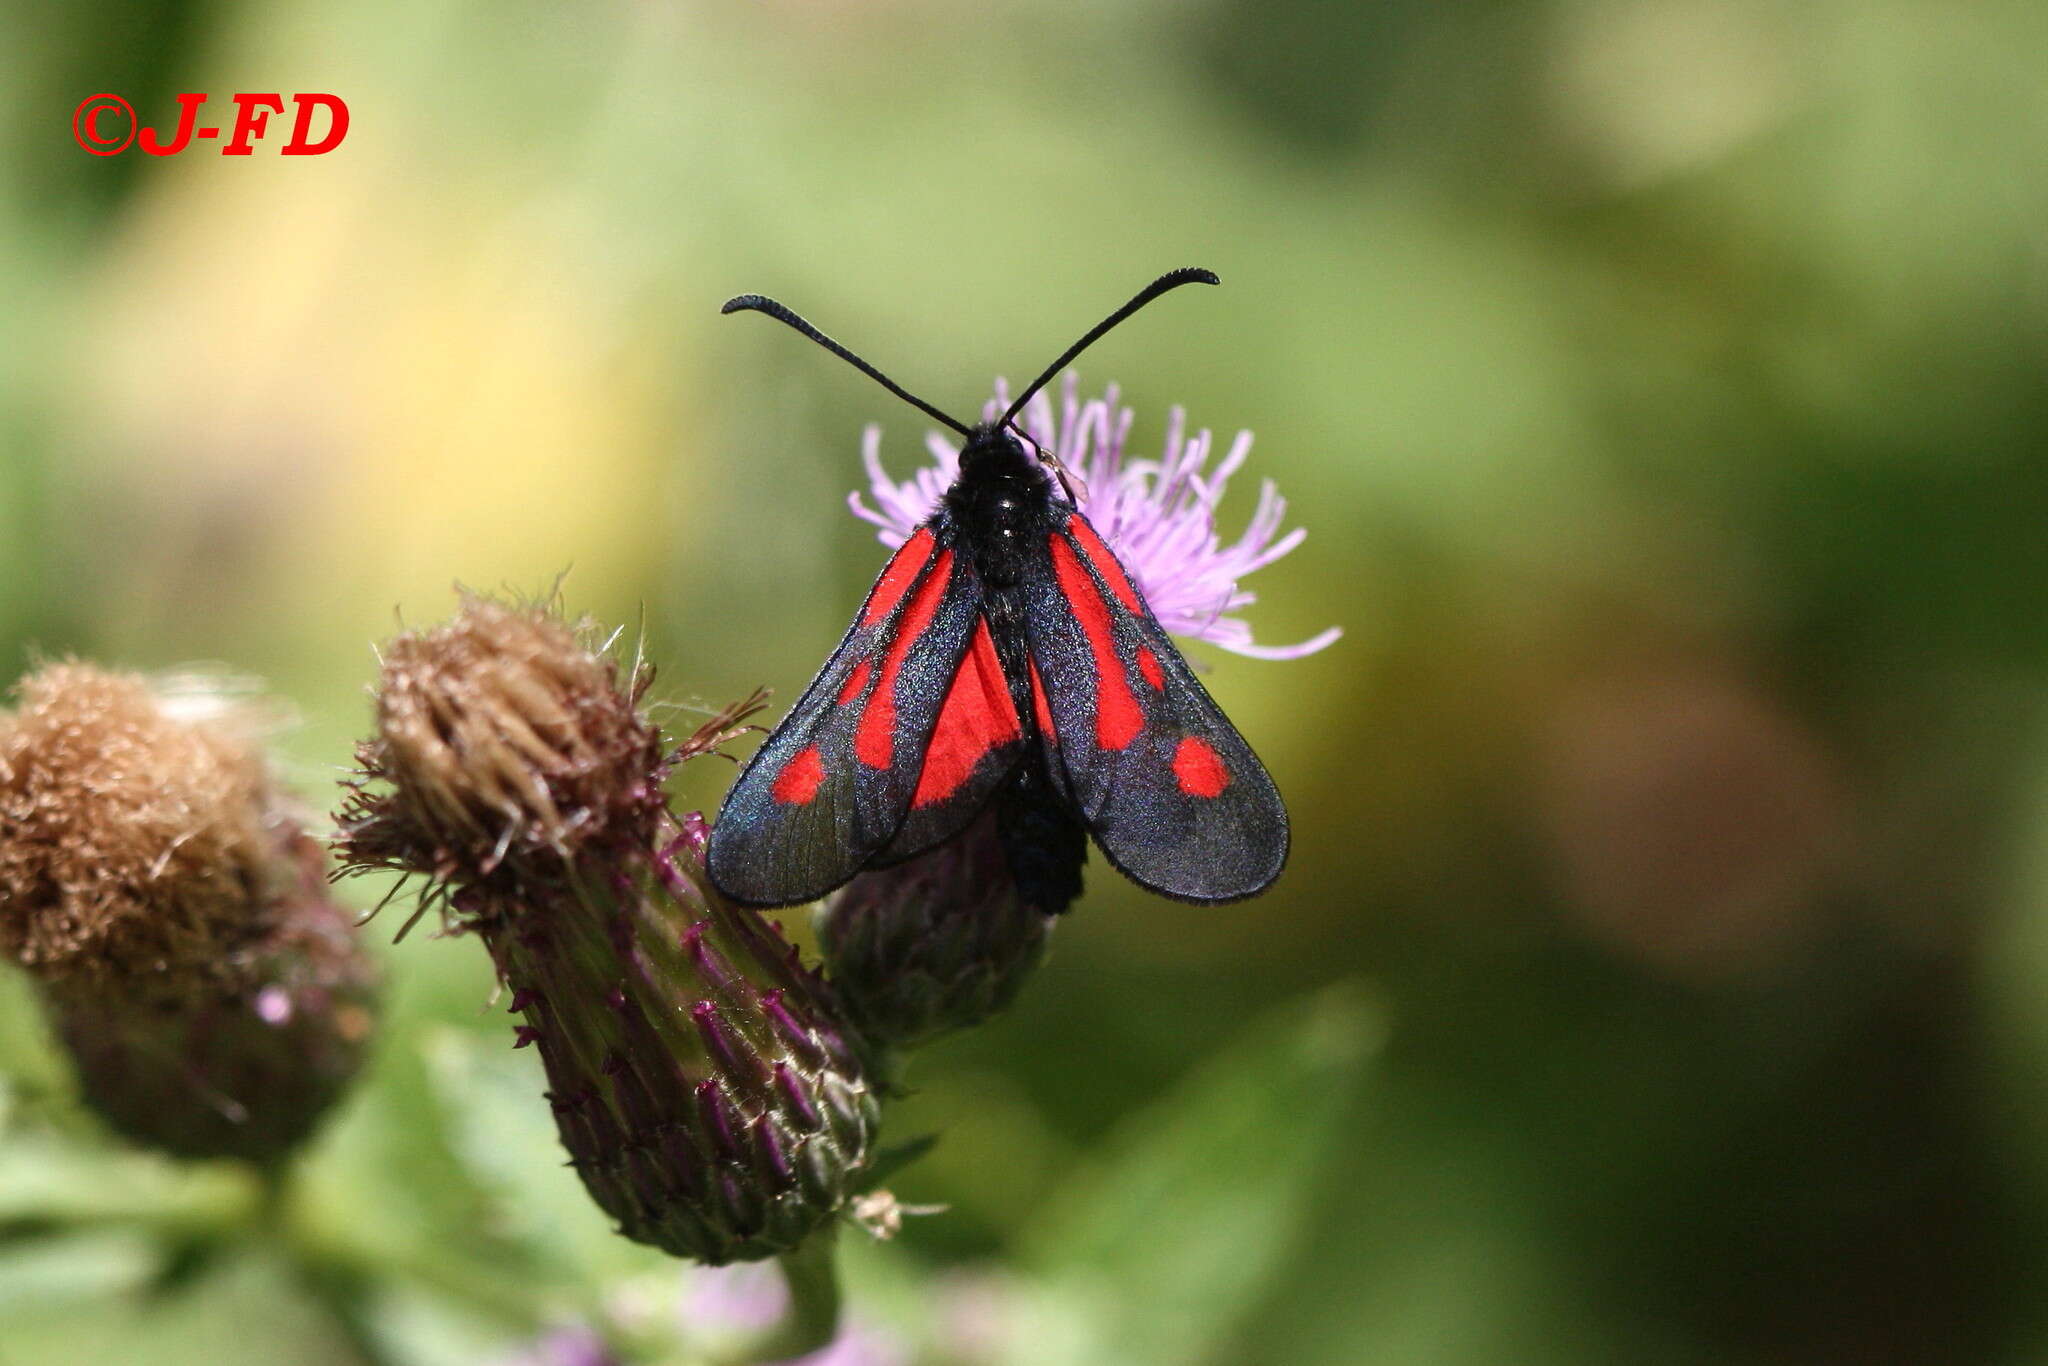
933 944
699 1076
215 999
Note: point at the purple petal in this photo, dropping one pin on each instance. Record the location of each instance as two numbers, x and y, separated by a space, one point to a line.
1157 515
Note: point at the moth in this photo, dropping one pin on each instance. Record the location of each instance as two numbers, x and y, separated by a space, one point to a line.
1004 657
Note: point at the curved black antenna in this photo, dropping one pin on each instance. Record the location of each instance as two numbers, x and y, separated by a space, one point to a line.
762 304
1173 279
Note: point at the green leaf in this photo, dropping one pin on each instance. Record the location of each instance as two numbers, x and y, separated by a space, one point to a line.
45 1180
1166 1240
388 1192
80 1305
46 1273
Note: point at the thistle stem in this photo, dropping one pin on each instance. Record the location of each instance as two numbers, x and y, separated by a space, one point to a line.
813 1318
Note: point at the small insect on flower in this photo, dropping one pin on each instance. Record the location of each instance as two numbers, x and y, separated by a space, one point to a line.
1006 657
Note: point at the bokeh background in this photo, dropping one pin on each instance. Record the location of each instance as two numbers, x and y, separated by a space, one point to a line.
1659 973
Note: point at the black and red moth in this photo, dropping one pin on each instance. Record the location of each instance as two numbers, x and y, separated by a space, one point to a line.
1005 657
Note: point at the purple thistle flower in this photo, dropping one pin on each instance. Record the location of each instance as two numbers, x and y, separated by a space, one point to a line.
1159 516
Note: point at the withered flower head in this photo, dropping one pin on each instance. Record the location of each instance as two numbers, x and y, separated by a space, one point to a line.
176 915
133 839
699 1076
505 734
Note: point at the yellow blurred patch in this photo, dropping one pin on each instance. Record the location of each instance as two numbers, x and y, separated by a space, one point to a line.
331 383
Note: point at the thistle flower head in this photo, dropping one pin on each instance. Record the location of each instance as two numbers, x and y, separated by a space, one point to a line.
134 839
939 942
503 735
214 997
699 1075
1159 516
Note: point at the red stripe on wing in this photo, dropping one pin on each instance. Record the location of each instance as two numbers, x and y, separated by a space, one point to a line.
897 577
1117 717
975 717
874 738
1148 665
1104 563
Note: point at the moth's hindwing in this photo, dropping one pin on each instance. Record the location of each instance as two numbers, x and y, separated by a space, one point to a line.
977 740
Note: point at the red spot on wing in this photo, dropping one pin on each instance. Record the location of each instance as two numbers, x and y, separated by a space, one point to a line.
1198 768
1148 665
800 778
897 576
1117 718
1039 710
1106 564
874 738
856 681
975 717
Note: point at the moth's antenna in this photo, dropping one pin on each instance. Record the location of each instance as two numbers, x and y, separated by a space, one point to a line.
1173 279
761 304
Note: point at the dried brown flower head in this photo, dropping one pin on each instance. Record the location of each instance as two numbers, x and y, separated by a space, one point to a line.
503 733
133 838
215 998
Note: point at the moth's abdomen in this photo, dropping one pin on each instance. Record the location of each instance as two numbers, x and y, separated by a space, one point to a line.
1044 842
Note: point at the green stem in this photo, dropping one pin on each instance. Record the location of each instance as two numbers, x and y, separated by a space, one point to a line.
813 1318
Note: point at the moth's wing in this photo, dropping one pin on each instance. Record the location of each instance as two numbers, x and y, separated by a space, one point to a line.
831 785
977 741
1167 786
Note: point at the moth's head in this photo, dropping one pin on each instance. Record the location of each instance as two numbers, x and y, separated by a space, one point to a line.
992 448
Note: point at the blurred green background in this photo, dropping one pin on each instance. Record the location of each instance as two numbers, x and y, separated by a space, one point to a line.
1657 976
